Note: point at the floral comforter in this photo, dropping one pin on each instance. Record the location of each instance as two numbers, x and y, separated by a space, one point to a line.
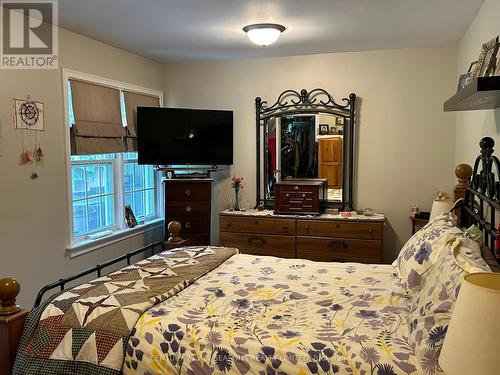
266 315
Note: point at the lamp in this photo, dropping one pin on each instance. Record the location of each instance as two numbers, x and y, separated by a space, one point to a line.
264 34
440 205
471 342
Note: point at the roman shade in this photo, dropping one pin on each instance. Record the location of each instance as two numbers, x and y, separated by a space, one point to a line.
132 101
98 127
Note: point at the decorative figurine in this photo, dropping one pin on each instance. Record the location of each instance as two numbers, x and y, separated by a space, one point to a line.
414 211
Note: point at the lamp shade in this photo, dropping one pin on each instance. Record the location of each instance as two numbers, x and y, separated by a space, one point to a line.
440 206
471 342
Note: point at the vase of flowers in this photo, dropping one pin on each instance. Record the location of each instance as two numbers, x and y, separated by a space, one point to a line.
237 184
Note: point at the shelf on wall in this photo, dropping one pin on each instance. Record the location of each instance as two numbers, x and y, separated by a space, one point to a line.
481 93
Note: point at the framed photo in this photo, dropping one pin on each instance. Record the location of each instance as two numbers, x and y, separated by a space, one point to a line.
130 217
487 59
333 130
339 121
466 78
323 129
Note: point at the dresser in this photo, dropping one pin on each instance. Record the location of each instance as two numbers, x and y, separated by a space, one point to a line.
326 238
188 201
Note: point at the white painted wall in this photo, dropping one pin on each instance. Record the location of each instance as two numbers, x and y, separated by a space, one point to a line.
33 214
405 142
473 125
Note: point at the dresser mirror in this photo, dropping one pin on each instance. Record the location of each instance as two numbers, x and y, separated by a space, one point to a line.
306 135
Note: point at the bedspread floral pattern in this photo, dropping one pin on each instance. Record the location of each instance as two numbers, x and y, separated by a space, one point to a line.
264 315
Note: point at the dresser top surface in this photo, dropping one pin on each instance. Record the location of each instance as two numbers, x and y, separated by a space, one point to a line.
270 214
187 180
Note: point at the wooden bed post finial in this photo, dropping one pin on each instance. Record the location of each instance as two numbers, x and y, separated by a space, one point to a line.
175 240
11 323
9 290
463 173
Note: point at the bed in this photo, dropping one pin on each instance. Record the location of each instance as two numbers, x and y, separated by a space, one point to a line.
212 310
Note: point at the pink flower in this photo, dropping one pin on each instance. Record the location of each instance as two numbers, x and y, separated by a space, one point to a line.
237 182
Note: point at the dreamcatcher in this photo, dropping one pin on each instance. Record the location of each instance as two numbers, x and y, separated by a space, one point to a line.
29 119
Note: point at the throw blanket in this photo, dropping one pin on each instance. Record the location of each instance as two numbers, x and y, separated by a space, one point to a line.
85 330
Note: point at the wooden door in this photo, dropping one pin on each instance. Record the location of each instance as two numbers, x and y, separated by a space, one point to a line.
330 161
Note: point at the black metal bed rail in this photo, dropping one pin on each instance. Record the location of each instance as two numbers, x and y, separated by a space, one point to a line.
61 283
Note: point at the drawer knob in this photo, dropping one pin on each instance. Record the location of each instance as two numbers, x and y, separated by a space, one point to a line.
337 226
228 225
295 188
188 225
188 192
370 230
188 208
285 227
287 195
307 227
303 195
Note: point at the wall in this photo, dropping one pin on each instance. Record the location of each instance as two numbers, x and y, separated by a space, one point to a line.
405 142
473 125
33 214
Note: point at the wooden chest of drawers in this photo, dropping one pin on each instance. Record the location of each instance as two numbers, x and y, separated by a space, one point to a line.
313 238
300 196
189 202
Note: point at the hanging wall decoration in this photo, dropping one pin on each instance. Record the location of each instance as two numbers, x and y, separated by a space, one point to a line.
29 119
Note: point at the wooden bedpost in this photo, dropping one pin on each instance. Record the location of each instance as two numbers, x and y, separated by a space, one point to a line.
463 173
175 240
11 323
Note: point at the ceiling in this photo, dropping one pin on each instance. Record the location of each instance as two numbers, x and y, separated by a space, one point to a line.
190 30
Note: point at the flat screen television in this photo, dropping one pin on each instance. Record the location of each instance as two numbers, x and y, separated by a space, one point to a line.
168 136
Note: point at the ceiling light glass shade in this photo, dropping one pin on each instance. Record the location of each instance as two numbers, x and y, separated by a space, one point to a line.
264 34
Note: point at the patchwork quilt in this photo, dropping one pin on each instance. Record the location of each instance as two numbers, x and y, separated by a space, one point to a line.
85 330
273 316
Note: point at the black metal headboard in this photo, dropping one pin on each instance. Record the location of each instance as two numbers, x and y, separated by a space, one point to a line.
482 197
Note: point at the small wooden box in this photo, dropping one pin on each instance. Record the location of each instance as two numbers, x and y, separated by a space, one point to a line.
300 196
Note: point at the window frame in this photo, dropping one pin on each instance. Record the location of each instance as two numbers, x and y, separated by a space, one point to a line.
120 231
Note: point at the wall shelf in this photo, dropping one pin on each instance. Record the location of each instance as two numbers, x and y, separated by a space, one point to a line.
481 93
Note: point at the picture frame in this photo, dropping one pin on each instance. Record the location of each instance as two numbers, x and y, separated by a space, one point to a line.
130 217
487 59
466 78
324 129
339 121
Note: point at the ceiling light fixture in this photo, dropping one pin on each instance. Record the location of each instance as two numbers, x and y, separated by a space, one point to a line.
264 34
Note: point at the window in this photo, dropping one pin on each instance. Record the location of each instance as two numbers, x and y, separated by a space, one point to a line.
139 186
102 184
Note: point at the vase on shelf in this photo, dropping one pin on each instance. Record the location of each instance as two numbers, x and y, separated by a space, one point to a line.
236 200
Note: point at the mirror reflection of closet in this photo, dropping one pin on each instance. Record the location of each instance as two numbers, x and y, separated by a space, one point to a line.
305 146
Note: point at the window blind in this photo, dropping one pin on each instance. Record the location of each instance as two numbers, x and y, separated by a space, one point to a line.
98 127
132 101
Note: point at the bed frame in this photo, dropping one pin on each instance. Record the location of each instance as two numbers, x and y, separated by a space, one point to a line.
12 316
478 188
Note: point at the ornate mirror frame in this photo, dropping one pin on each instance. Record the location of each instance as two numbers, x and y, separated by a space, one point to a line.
316 101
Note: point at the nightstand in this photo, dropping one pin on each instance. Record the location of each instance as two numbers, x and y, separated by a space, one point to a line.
419 221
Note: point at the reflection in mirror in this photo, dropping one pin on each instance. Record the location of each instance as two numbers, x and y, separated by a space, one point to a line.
304 146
